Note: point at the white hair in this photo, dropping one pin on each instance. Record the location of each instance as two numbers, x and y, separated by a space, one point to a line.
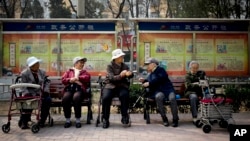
193 62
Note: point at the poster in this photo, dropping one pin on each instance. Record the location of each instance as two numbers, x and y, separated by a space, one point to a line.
169 49
57 54
218 54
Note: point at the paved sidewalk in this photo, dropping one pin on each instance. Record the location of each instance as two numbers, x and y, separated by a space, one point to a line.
139 131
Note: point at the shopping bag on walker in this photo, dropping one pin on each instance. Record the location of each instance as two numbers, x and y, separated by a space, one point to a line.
27 104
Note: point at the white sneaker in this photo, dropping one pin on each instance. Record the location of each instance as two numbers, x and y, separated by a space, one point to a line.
194 120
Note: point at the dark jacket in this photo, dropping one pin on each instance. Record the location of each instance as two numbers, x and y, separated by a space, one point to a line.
192 78
159 82
113 78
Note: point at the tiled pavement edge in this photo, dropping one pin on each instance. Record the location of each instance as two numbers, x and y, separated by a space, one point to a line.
139 131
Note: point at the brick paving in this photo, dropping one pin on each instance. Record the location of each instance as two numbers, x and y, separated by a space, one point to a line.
139 131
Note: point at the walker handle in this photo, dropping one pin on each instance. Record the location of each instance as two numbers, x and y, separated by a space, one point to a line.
21 85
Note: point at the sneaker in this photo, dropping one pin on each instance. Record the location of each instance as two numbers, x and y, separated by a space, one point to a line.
105 123
78 125
67 124
194 121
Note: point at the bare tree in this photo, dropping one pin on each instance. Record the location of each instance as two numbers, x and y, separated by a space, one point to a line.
9 7
72 7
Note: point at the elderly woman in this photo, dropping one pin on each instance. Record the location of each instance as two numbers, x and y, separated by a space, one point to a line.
193 90
117 82
34 75
76 81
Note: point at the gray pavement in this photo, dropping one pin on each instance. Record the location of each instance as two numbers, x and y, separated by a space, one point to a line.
139 131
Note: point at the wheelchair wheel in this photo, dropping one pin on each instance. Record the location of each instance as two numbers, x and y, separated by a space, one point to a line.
206 128
6 128
223 124
35 128
198 124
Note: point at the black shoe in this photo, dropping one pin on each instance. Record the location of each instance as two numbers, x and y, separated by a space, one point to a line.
165 121
105 123
67 124
78 125
41 124
125 119
24 126
175 123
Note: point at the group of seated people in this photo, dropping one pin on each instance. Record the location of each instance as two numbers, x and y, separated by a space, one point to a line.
117 82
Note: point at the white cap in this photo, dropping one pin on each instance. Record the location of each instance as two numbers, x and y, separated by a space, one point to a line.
32 60
117 53
78 58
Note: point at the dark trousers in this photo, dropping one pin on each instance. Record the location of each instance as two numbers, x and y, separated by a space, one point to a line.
108 94
75 98
45 107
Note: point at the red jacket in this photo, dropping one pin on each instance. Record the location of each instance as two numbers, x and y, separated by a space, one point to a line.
84 78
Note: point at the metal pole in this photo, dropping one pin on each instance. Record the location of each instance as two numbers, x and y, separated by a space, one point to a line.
59 60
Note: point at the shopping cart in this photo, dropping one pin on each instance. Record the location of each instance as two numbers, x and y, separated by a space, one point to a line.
214 107
18 103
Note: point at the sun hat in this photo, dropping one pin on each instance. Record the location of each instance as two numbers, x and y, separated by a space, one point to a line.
32 60
78 58
117 53
151 60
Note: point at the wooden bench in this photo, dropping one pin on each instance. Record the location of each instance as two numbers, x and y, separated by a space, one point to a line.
182 101
56 94
179 86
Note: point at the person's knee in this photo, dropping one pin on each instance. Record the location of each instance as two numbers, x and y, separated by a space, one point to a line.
159 96
171 97
78 97
193 97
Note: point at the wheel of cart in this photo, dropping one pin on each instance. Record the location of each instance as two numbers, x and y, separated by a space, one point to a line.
18 103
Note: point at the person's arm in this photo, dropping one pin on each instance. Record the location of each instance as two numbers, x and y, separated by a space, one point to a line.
111 76
158 77
190 83
84 77
46 84
24 79
66 78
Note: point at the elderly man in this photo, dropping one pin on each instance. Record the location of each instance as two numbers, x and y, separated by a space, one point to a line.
193 89
161 88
